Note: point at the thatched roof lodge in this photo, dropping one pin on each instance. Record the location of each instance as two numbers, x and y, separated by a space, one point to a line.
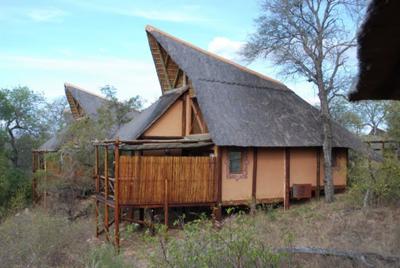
220 134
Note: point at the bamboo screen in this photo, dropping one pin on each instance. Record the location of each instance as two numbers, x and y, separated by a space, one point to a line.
190 180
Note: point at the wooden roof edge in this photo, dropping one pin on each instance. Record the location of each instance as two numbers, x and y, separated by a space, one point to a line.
68 85
151 29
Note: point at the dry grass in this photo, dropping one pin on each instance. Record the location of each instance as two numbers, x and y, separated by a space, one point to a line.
317 224
310 224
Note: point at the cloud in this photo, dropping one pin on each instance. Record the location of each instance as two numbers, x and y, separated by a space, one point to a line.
46 14
131 77
225 47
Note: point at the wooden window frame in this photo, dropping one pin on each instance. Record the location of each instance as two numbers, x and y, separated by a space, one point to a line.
244 164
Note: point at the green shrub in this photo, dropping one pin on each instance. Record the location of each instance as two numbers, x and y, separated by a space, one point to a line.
375 183
105 257
237 244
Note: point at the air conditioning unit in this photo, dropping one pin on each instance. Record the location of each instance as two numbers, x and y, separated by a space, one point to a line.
301 191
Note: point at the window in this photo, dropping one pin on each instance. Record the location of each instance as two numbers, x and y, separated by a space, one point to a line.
235 161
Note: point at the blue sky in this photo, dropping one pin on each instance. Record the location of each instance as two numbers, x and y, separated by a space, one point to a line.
45 43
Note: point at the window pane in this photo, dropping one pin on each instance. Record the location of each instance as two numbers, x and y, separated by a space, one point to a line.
235 162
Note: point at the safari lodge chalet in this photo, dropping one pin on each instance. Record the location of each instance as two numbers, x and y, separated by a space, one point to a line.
219 135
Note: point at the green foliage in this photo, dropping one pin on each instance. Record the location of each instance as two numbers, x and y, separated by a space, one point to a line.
117 111
375 183
22 114
35 239
15 188
393 119
237 244
105 257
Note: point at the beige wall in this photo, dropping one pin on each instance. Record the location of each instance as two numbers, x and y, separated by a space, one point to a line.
170 124
303 166
237 189
270 173
340 171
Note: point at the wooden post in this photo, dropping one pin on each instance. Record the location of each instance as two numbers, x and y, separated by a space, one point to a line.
116 193
45 179
166 202
218 209
184 100
318 182
287 179
254 184
96 174
106 191
33 177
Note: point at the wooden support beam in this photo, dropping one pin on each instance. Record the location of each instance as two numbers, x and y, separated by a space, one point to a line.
166 202
287 179
106 192
96 168
184 100
176 79
318 175
96 203
218 209
116 194
198 118
164 66
254 183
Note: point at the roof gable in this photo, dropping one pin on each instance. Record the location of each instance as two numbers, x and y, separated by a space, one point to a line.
138 125
244 108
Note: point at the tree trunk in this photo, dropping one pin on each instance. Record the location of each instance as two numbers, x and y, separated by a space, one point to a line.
327 146
14 156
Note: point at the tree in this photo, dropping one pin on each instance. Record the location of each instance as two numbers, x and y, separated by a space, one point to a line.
120 110
58 115
373 114
308 39
346 114
393 119
21 116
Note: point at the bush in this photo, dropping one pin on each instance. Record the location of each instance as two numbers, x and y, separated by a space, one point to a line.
35 239
235 245
375 183
104 256
15 189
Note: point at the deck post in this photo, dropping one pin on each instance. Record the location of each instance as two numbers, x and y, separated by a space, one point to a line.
254 184
217 211
116 193
166 202
106 191
318 182
96 174
33 176
45 179
287 179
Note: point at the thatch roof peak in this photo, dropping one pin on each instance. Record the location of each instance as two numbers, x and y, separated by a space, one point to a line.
151 30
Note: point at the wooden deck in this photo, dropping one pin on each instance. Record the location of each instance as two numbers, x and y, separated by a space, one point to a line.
127 182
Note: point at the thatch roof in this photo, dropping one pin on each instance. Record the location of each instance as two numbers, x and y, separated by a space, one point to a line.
136 127
379 53
244 108
82 103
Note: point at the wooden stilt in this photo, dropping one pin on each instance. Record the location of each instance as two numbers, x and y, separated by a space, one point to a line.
106 225
116 194
318 182
287 179
254 184
166 203
97 217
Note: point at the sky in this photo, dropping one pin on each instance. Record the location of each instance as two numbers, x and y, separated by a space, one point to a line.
44 43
